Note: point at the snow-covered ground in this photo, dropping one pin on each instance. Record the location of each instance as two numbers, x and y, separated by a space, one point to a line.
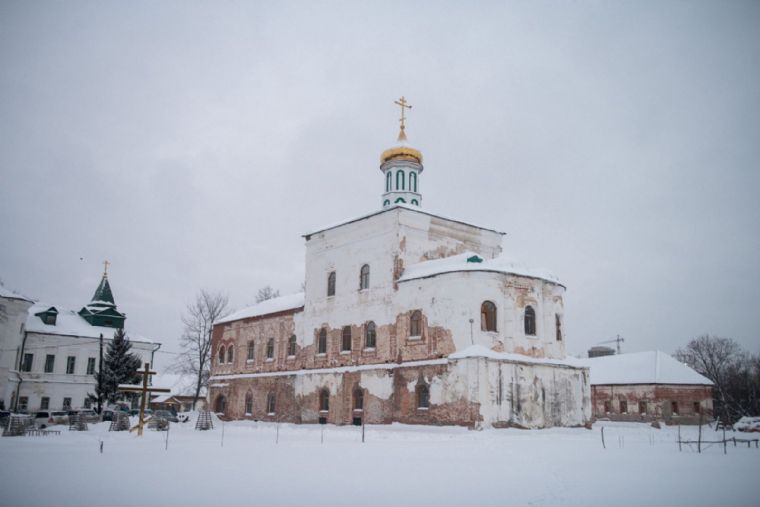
398 465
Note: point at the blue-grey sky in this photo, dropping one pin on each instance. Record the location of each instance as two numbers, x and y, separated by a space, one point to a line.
192 143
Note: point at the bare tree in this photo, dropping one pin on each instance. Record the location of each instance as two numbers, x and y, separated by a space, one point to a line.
198 321
267 293
718 359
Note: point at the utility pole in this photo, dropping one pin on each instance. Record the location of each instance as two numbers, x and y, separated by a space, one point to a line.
100 378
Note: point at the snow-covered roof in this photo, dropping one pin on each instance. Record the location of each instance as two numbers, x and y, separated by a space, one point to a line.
651 367
274 305
9 294
70 323
458 263
408 207
481 351
180 384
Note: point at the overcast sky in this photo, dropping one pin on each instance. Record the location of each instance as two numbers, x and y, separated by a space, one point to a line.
191 144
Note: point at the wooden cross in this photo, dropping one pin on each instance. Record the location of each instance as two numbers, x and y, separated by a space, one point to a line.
105 267
404 106
144 390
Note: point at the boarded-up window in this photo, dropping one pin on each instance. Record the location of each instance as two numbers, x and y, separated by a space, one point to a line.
488 316
292 346
415 324
371 339
248 403
220 405
346 342
270 348
324 400
530 321
423 396
331 283
270 403
364 277
322 342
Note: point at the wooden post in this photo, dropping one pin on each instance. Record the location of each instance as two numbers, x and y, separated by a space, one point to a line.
724 440
277 436
603 445
144 391
699 438
679 438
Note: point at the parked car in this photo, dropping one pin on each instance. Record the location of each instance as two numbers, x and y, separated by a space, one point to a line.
165 414
60 417
750 424
45 418
108 414
136 412
89 415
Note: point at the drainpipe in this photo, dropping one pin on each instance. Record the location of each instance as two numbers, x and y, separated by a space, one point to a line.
18 372
153 353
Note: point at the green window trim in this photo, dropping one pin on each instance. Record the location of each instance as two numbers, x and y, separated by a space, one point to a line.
400 178
414 201
413 181
400 199
388 181
386 202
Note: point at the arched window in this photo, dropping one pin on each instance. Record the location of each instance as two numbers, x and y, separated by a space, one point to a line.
558 323
413 181
221 404
346 342
400 200
400 180
251 349
358 398
221 354
415 202
270 348
415 323
364 277
230 351
488 316
248 403
322 342
423 396
331 283
386 202
270 403
530 321
371 338
324 400
388 181
292 346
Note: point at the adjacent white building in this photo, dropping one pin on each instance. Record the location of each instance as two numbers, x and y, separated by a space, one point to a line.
50 355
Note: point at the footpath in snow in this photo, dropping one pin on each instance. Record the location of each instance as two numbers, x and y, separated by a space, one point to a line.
249 463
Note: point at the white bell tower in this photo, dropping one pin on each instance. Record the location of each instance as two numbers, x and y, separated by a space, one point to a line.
401 167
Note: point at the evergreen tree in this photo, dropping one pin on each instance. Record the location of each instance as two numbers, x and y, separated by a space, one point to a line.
119 367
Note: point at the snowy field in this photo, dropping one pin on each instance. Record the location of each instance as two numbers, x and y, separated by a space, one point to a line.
398 465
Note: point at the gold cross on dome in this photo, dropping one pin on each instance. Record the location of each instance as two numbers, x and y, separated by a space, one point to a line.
105 267
403 104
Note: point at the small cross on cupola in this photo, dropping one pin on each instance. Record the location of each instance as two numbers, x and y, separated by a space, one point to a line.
401 167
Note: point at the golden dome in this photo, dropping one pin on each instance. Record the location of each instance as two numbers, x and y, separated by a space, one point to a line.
401 153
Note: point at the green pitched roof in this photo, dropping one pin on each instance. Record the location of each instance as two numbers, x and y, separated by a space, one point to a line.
103 292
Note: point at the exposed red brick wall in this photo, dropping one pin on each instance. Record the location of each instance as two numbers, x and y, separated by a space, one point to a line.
658 399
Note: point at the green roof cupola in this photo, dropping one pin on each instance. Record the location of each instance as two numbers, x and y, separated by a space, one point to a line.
101 311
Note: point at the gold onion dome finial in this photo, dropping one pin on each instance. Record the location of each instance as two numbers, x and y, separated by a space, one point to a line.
402 152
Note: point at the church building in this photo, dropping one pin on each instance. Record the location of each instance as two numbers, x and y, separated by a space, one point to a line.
407 316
